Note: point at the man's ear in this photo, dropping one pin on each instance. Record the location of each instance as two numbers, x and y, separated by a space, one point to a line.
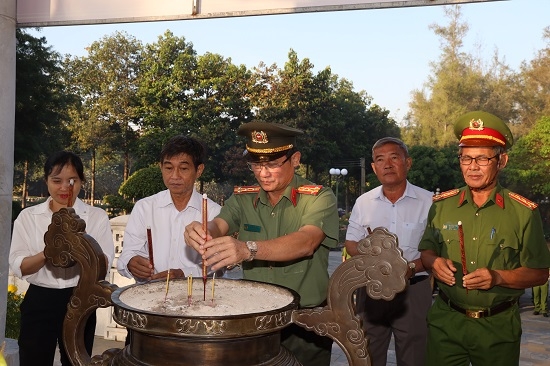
295 159
502 161
200 169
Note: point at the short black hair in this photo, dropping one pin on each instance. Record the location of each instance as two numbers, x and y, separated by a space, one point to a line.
182 144
57 161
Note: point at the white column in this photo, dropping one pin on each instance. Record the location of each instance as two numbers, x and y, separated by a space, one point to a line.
7 127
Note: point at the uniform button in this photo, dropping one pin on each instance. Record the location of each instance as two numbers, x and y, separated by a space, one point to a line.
474 238
272 214
477 213
472 262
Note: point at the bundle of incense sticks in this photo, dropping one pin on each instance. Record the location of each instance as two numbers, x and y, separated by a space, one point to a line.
462 251
150 247
70 198
205 228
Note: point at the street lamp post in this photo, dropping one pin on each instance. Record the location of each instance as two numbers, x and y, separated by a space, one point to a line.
339 174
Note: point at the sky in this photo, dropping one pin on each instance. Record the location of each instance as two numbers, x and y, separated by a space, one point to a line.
386 52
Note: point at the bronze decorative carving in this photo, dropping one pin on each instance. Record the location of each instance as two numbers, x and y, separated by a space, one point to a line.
380 267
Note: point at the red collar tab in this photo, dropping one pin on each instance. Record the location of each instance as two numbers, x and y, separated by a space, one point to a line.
499 200
294 196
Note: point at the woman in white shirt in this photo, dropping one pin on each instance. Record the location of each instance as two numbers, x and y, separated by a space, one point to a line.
50 288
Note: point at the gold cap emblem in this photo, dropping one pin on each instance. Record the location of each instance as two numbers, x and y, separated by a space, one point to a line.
259 137
476 124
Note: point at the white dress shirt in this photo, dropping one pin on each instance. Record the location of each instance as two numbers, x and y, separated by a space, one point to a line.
28 239
167 226
406 218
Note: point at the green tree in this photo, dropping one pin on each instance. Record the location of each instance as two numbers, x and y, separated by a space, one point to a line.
40 107
529 163
459 83
435 168
105 116
165 83
202 96
534 86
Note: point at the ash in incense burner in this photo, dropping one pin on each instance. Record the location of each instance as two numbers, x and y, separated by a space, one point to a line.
231 297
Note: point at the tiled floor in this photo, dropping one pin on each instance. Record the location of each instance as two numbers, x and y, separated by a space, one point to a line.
535 342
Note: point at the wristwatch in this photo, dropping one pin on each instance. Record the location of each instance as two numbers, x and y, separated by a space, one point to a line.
412 266
253 247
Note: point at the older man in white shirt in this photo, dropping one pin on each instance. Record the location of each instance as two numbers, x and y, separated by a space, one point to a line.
402 208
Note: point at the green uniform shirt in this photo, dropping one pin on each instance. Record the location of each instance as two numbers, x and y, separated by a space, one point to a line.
503 234
254 218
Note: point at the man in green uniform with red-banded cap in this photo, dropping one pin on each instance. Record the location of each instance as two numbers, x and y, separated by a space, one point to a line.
484 245
286 227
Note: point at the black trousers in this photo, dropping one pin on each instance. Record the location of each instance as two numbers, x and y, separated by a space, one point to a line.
42 314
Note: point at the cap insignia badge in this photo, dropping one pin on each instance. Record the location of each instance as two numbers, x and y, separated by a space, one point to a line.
476 125
259 137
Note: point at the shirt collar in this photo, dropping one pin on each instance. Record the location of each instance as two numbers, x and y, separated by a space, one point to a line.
78 206
495 197
195 201
290 193
409 192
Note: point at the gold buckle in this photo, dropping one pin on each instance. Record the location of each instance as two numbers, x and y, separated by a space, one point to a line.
474 314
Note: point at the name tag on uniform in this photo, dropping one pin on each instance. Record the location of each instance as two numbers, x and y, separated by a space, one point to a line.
252 228
450 227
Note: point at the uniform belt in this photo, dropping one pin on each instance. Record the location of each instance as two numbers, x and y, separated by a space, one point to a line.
417 279
476 314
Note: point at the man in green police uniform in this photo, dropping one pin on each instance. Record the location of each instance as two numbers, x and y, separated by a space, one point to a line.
484 245
286 227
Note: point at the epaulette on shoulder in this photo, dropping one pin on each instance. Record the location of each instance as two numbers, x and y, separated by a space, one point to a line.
524 201
446 194
246 189
310 189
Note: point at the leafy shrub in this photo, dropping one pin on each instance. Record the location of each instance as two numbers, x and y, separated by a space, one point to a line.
13 314
117 205
144 182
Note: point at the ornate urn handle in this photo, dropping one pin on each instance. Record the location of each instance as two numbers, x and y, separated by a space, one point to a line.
380 267
67 244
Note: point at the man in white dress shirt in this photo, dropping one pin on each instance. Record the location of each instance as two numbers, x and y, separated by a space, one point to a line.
166 214
402 208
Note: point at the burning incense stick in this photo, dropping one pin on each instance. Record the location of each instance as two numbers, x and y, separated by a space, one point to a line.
462 251
189 289
150 247
167 285
213 280
70 198
204 227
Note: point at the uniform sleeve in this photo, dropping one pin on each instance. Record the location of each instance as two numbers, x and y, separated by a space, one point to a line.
213 210
431 239
135 240
321 212
231 212
535 253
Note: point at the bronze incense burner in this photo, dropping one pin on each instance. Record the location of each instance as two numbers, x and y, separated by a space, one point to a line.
244 339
